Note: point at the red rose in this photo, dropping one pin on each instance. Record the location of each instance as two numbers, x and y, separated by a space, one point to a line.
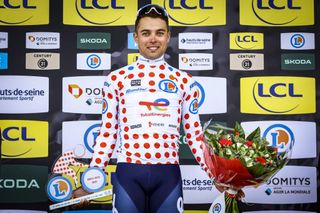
261 160
248 143
225 142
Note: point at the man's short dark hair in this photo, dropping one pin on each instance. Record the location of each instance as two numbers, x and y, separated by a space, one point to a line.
153 11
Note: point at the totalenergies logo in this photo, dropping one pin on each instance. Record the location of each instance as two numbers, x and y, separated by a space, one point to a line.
24 12
280 136
99 13
159 104
194 12
277 95
276 12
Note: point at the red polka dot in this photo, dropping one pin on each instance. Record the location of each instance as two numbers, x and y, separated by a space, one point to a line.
152 83
130 76
152 90
156 135
124 110
128 153
174 154
129 160
188 97
136 145
194 151
158 155
196 124
113 77
98 160
126 129
106 134
167 154
187 126
186 116
173 145
165 145
115 136
122 72
138 162
178 74
126 136
164 136
190 143
137 154
135 136
126 145
189 75
151 74
148 155
141 74
122 101
113 146
179 111
145 136
100 152
161 75
108 125
181 86
188 135
195 94
110 96
162 67
125 120
141 66
198 159
146 145
157 145
103 144
109 115
185 80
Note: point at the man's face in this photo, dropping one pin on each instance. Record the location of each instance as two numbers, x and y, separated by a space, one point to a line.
152 37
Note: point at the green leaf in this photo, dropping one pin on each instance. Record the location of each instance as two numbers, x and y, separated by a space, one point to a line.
257 170
238 128
254 136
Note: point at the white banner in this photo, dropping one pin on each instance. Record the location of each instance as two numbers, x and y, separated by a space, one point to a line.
93 61
195 61
195 41
297 41
3 40
42 40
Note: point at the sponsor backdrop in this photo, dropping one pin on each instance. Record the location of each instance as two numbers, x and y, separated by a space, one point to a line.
254 61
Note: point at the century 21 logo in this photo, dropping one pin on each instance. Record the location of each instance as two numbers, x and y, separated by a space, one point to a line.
23 138
99 13
23 12
276 12
277 95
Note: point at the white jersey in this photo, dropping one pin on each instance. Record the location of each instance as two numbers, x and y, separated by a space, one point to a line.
144 104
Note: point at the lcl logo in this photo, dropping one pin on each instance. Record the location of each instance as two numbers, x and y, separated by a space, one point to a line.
9 4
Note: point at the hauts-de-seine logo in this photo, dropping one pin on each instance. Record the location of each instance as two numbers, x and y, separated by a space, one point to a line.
24 12
280 136
194 12
277 95
276 12
99 13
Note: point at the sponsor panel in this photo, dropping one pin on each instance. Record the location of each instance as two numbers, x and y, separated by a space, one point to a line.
31 92
42 40
194 13
88 211
274 13
3 40
42 61
217 88
99 13
20 211
277 95
133 57
24 138
22 13
297 61
197 187
3 61
297 41
291 185
132 45
80 136
195 41
82 94
93 40
195 61
278 211
299 135
246 61
23 183
93 61
246 41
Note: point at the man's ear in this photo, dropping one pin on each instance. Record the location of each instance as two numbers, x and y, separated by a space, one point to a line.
135 36
169 36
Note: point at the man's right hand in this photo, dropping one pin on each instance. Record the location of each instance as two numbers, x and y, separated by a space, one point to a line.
80 192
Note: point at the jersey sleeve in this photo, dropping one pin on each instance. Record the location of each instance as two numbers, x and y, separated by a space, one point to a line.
191 122
107 136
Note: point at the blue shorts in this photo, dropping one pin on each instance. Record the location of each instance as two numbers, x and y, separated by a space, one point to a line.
139 188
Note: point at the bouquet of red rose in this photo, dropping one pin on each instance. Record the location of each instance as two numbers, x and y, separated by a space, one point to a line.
236 160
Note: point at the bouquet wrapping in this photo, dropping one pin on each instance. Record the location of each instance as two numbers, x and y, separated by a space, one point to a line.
236 160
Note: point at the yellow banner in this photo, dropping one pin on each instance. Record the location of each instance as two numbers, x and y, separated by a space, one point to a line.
133 57
99 12
278 13
24 139
246 41
21 13
277 95
79 170
194 12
